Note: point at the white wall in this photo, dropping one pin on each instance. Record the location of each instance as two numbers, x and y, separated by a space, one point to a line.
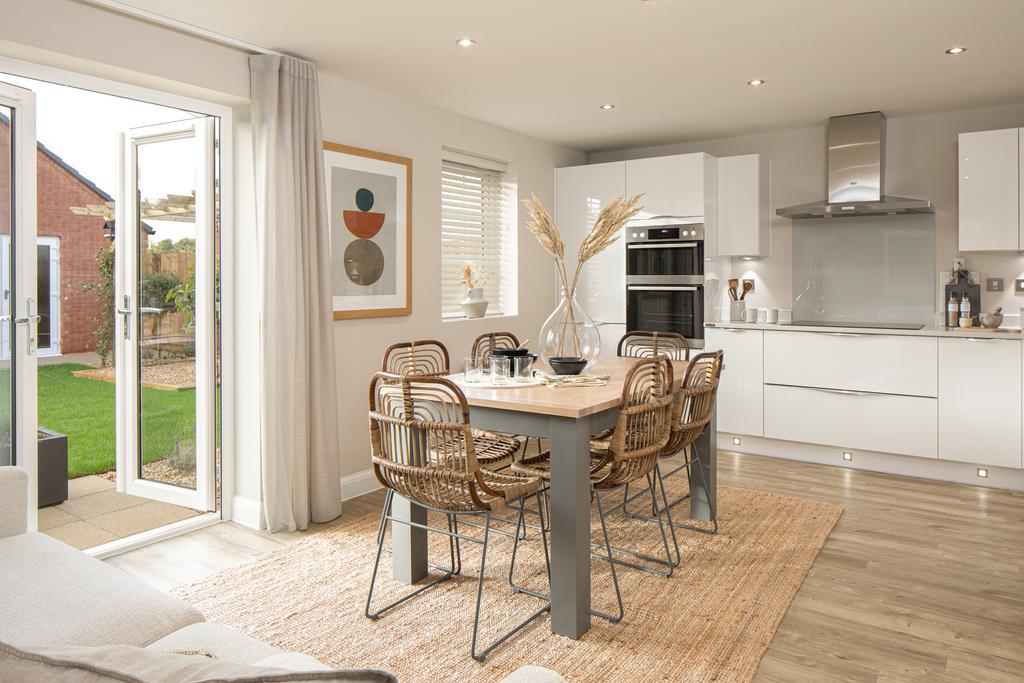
920 162
76 36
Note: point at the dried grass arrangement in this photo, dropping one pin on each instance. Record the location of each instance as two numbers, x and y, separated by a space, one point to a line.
471 278
606 230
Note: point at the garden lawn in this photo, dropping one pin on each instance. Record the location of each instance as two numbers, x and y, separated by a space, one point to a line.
84 410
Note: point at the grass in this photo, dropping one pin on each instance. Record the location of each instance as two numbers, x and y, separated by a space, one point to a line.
84 410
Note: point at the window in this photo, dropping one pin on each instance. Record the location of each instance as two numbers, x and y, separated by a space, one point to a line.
477 229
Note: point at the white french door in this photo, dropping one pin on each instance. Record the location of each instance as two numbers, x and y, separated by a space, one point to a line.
19 318
165 326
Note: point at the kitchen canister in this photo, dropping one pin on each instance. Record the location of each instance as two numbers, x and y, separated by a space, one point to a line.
750 315
736 309
770 315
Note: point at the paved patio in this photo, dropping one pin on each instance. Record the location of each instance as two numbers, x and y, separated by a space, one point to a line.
95 513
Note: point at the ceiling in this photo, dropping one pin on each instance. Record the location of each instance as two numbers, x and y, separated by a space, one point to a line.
675 69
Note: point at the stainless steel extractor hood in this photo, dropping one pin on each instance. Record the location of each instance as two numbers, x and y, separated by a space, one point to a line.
856 173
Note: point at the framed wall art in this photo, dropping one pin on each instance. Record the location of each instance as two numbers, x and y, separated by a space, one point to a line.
370 212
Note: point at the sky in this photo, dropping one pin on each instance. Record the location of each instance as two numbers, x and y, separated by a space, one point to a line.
83 128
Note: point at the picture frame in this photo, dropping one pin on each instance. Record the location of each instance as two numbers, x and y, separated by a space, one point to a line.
369 203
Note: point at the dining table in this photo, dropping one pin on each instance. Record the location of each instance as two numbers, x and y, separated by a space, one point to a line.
567 416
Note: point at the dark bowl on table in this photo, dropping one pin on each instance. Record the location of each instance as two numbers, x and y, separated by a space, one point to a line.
510 352
567 365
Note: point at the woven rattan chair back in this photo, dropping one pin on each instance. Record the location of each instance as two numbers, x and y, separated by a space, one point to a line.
643 425
424 357
693 403
641 344
485 343
421 442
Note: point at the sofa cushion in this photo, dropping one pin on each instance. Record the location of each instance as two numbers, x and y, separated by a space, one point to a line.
223 642
54 594
126 664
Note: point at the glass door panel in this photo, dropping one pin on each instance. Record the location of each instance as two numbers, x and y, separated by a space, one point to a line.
18 316
165 272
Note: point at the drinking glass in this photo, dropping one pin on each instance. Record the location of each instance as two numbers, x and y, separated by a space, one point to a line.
474 370
523 369
499 369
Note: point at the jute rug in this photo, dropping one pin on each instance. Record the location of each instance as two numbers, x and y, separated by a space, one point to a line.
711 621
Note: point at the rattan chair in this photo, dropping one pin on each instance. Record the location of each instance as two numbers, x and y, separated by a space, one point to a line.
691 412
423 449
487 342
642 344
639 436
430 358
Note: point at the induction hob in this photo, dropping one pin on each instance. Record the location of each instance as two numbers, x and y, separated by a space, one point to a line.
877 326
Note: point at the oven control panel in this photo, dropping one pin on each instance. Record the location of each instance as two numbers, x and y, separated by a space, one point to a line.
664 233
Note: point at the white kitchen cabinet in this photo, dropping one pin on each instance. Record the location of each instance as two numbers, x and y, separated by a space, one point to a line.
741 390
886 364
980 401
744 206
855 420
989 180
580 194
672 186
610 333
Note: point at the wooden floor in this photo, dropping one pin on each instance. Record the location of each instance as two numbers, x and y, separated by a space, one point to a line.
919 581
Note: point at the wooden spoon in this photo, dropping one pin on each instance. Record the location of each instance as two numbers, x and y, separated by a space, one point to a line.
733 285
747 286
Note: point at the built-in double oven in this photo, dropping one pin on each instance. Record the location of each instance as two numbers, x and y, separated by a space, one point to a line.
665 279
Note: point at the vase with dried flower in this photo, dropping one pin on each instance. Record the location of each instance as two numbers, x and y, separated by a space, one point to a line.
569 332
474 305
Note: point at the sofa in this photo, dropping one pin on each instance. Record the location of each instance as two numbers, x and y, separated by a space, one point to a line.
59 603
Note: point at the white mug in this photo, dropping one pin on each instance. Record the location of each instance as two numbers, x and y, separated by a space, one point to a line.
750 315
771 315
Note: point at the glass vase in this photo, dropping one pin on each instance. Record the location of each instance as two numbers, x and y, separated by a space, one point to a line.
570 332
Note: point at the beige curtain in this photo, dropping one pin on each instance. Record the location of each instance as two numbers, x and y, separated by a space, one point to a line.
299 416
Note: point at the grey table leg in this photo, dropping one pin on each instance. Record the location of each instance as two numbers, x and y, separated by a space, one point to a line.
707 447
570 526
408 544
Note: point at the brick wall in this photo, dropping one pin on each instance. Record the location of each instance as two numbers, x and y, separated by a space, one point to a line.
81 238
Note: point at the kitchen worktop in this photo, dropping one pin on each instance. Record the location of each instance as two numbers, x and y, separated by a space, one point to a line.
926 331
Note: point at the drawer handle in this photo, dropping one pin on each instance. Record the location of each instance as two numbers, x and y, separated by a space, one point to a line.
844 392
846 334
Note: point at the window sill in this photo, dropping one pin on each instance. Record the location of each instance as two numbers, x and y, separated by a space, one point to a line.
464 319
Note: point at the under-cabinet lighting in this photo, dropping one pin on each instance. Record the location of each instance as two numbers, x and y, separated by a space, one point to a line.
465 42
756 82
956 50
737 441
847 455
983 473
607 106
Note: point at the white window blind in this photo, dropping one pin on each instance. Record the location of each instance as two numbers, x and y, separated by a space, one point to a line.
475 230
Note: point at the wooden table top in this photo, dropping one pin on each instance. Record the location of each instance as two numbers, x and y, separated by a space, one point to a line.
574 402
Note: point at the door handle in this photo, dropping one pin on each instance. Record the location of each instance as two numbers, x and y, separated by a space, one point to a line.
126 313
31 319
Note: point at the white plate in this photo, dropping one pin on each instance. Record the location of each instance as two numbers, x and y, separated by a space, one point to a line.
460 379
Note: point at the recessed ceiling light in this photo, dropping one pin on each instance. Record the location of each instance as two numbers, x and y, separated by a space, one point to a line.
465 42
956 50
606 107
756 82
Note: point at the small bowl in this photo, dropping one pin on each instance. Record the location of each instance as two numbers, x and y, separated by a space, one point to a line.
567 365
966 322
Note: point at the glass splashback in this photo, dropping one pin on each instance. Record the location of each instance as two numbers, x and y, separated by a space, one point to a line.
864 269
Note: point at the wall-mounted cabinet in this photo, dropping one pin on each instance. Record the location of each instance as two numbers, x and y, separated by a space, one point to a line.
580 194
673 186
744 206
990 197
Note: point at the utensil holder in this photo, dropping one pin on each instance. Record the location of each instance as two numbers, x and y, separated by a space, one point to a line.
736 309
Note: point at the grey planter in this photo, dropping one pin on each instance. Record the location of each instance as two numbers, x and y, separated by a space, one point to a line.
53 468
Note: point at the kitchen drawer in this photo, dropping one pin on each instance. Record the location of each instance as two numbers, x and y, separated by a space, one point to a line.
887 423
741 389
885 364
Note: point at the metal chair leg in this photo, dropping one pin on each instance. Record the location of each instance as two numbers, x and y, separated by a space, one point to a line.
479 656
611 560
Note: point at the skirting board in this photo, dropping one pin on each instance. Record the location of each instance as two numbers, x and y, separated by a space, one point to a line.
887 463
355 485
247 512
